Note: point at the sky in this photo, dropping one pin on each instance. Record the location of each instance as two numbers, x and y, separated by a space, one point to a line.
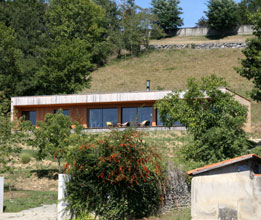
193 10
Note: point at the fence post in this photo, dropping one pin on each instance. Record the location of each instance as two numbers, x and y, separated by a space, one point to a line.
1 194
62 204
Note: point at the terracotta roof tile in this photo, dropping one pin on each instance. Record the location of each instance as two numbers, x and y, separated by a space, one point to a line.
222 164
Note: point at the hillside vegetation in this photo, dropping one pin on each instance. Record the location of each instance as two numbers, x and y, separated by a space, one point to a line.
170 69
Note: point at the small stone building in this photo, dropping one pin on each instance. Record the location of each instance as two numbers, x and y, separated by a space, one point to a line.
229 190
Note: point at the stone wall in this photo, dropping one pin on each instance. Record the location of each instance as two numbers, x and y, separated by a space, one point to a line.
177 194
199 46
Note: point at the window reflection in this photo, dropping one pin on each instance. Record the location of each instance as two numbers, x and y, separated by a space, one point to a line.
97 118
137 114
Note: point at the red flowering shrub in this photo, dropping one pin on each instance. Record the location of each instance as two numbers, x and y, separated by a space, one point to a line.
118 177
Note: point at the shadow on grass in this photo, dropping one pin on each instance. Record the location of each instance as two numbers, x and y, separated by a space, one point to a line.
46 173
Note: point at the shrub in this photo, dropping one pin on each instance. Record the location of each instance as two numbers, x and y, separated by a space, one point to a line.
119 177
25 158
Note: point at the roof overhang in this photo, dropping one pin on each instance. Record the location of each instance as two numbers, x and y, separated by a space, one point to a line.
222 164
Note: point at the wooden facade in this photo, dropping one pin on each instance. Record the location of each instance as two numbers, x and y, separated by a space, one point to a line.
79 104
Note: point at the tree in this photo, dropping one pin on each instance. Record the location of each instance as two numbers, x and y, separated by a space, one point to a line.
213 118
251 65
246 8
168 14
53 137
65 68
78 46
10 138
222 15
202 22
11 73
26 19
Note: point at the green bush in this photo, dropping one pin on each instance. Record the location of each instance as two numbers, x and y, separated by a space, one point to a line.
118 177
25 158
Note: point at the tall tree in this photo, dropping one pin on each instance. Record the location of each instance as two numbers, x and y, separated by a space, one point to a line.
26 18
78 45
168 14
251 64
222 15
246 8
11 75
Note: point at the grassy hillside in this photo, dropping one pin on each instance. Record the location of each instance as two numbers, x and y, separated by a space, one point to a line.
170 69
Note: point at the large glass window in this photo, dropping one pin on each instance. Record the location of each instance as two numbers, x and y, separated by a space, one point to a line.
97 118
160 123
30 115
137 114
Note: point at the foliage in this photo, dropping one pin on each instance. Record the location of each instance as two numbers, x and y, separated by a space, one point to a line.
251 65
65 68
214 118
168 14
10 138
25 158
26 19
246 8
222 15
53 137
202 22
10 70
117 177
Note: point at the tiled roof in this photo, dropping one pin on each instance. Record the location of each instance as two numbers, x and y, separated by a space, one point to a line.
222 164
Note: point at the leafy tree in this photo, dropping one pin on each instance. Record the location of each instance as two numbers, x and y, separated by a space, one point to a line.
116 177
26 18
222 15
246 8
214 119
54 137
251 65
65 68
10 138
77 47
202 22
168 14
10 69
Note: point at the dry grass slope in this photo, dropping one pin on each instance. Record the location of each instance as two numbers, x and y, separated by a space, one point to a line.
170 70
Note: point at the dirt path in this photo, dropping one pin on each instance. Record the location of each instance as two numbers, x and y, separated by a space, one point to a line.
45 212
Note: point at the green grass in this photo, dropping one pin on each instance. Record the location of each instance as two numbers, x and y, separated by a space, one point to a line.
175 214
20 200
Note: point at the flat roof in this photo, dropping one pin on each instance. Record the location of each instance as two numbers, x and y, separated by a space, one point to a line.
89 98
95 98
222 164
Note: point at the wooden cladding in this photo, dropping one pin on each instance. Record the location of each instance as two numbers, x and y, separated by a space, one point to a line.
80 112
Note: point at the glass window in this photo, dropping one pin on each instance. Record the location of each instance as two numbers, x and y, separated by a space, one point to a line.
30 115
65 111
160 123
97 118
137 114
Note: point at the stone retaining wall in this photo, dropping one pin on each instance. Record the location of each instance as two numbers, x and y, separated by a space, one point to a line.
177 194
199 46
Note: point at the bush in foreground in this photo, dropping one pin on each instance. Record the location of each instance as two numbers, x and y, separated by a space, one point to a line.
119 177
